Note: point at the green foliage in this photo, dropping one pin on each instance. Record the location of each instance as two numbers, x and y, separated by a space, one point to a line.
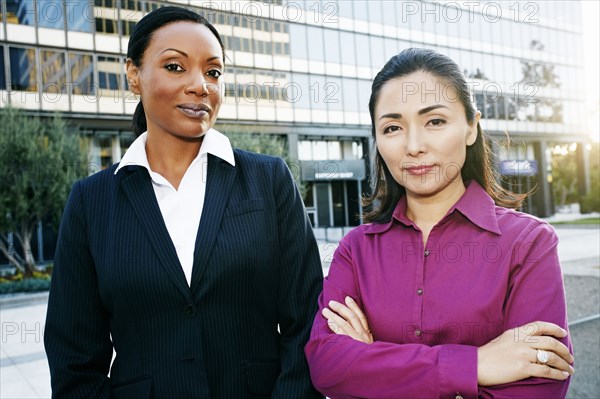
591 201
564 176
585 221
26 285
39 161
269 144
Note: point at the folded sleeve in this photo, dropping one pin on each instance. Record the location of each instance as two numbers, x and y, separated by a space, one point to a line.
535 292
342 367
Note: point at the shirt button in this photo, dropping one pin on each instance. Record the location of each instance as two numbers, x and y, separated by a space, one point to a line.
419 292
417 333
426 252
458 396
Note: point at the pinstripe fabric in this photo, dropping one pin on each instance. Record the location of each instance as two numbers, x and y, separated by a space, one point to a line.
116 274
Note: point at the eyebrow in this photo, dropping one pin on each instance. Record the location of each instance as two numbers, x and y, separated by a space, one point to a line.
391 116
395 115
216 57
431 108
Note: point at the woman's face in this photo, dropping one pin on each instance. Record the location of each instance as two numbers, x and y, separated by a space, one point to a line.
178 80
422 134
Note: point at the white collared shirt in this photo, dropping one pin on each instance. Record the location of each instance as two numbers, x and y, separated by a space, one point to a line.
181 209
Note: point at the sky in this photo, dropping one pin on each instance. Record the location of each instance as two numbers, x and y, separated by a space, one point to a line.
591 44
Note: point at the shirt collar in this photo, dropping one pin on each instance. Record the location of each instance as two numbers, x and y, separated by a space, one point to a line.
475 204
214 143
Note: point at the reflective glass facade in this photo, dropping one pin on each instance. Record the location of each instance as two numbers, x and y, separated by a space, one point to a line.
303 68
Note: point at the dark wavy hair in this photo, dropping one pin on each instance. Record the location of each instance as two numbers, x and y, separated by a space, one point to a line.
478 163
142 35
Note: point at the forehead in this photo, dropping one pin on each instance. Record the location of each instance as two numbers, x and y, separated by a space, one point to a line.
190 37
418 89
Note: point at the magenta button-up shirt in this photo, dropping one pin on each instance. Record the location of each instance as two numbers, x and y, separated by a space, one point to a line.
485 269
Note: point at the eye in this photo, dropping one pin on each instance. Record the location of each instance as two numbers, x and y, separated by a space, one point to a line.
173 67
214 73
437 122
391 129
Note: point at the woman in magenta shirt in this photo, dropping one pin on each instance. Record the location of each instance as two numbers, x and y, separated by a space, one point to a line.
447 292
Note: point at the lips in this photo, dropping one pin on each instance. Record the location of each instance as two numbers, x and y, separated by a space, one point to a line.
195 110
419 170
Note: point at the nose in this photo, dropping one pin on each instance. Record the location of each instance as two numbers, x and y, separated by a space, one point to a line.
414 142
197 85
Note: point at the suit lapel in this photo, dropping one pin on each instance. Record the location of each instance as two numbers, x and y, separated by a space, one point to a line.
138 189
220 178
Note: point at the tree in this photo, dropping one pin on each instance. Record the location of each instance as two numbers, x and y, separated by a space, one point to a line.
39 160
269 144
538 75
591 201
564 175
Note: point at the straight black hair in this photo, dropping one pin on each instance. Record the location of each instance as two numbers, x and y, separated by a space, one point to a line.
478 163
142 35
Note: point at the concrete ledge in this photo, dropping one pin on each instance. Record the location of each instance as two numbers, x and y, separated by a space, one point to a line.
20 299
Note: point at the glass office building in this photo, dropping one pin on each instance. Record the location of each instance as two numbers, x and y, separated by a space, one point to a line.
302 70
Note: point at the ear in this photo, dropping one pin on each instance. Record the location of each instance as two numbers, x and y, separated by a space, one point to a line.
133 76
472 132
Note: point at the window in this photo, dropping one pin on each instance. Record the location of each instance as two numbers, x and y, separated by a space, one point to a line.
320 91
344 8
298 91
106 150
134 5
361 10
105 3
109 73
350 95
347 48
364 86
23 69
332 92
54 74
390 50
389 13
125 140
127 27
375 11
490 111
298 41
332 45
377 52
82 73
362 50
20 12
80 16
319 150
316 51
2 79
106 25
50 14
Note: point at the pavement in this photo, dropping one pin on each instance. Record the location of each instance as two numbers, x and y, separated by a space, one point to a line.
24 370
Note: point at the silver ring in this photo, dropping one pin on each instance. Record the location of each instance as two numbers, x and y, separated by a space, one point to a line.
542 356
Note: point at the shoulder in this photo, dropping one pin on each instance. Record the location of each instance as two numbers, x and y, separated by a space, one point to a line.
522 225
360 234
254 165
247 157
99 180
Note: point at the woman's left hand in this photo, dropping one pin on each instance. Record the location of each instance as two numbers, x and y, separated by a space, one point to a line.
348 320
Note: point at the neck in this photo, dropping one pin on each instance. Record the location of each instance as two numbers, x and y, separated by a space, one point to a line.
171 156
427 211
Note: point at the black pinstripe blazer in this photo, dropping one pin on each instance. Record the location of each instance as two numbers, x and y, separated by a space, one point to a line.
237 332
